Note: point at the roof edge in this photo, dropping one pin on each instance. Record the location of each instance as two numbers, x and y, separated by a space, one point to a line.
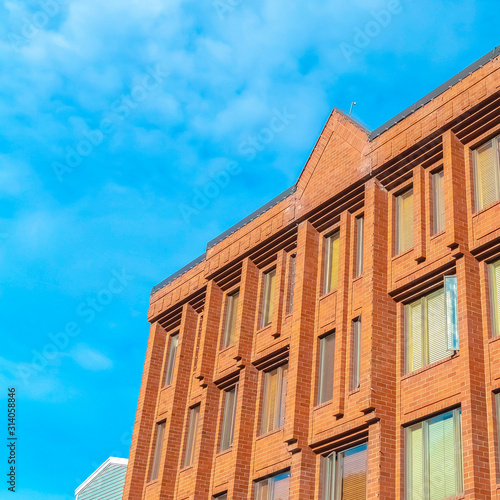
109 461
436 92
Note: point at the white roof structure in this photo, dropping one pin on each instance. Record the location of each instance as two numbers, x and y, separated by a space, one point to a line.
106 482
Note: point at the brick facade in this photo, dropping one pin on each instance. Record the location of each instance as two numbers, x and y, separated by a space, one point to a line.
349 173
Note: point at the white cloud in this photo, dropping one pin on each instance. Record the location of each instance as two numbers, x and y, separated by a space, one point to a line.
89 358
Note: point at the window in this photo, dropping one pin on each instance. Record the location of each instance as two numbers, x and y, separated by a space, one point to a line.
291 288
487 173
438 214
360 233
495 295
221 496
326 365
169 372
230 324
434 458
432 326
268 302
194 415
331 278
155 468
344 474
356 354
497 403
404 222
273 488
274 404
230 400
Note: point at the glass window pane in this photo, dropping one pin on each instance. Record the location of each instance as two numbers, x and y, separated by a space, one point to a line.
231 314
415 336
404 222
172 352
191 438
291 291
331 271
155 468
487 175
495 296
415 463
268 299
328 477
230 401
438 213
360 224
326 368
356 354
436 326
274 402
354 465
281 487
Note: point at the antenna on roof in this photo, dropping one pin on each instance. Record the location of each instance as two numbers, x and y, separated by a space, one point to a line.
352 106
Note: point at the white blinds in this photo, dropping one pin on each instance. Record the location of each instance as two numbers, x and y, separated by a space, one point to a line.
354 462
487 174
231 314
434 458
432 326
404 222
273 488
332 248
268 299
326 368
172 353
360 225
230 400
274 402
495 295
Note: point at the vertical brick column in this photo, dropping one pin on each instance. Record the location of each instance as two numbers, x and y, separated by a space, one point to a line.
455 191
300 361
144 419
175 413
379 348
474 405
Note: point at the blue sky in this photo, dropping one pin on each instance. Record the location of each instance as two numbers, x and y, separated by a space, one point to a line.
115 116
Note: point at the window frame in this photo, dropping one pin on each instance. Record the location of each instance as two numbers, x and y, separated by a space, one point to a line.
494 297
154 471
268 292
458 455
279 416
438 202
230 318
192 433
271 481
171 359
292 267
322 368
332 471
495 145
228 413
355 376
398 250
359 250
328 263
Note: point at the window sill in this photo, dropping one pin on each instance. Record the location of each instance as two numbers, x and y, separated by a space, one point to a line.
429 367
224 452
264 328
437 235
485 209
328 294
491 340
225 349
322 405
166 387
357 278
354 391
186 468
151 483
402 254
270 433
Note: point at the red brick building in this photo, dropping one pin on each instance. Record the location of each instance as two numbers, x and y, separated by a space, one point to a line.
342 342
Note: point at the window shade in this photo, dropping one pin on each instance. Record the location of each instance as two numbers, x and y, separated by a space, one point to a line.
230 401
360 225
326 368
268 299
172 353
274 401
332 248
436 327
273 488
487 175
404 222
450 290
354 473
434 458
415 336
191 437
495 295
231 315
291 291
155 468
438 211
328 473
356 354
